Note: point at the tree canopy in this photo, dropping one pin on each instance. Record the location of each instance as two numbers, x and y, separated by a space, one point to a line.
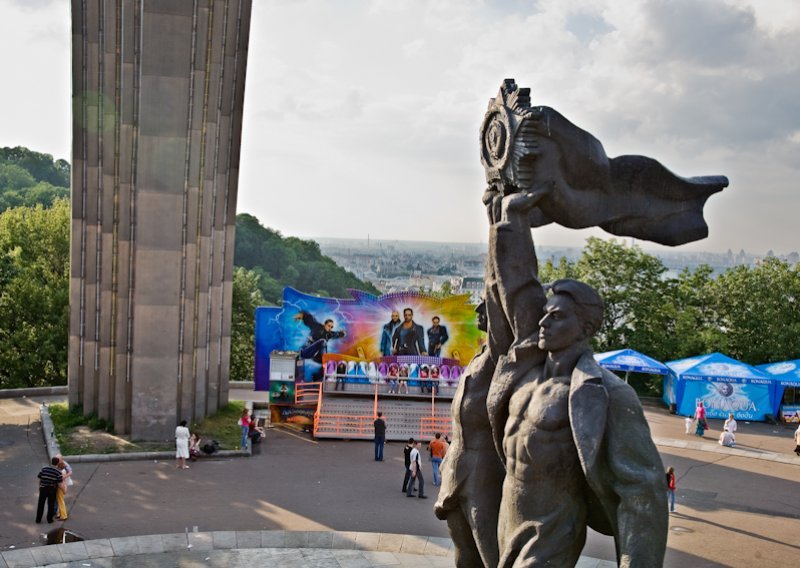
34 295
288 261
28 178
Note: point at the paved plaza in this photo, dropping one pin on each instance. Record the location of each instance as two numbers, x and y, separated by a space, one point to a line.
328 503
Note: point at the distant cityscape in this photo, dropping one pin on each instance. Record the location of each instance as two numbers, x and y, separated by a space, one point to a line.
394 266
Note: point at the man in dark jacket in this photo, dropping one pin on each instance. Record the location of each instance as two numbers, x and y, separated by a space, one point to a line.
380 436
437 337
409 337
317 343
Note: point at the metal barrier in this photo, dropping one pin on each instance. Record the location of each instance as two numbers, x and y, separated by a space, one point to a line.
307 393
430 425
345 425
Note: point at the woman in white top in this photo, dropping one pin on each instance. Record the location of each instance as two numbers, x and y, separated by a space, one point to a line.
181 445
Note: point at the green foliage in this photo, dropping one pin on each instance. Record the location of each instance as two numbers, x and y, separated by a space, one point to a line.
34 295
289 261
222 426
758 310
246 298
28 178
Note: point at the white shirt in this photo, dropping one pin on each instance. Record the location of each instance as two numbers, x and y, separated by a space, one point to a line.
726 439
182 434
414 457
730 424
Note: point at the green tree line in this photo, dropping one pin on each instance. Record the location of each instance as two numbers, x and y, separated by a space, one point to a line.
28 178
34 273
749 313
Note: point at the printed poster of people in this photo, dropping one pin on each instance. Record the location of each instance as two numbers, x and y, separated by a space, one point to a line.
361 328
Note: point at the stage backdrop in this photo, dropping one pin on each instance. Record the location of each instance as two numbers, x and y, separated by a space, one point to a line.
362 318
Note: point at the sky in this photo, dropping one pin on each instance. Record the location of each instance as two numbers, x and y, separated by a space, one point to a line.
361 117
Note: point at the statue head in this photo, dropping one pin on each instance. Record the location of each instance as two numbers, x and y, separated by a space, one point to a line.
573 314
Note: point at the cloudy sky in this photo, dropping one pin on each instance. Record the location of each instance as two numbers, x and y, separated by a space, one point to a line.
362 117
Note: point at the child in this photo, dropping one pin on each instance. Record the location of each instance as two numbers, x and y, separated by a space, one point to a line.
671 488
688 423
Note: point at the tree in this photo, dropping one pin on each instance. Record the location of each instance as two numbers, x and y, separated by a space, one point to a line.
34 295
757 310
29 178
246 298
631 284
289 261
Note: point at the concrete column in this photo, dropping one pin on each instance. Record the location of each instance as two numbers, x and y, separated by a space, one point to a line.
158 90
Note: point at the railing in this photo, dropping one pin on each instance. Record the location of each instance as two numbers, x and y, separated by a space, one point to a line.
430 425
346 425
307 393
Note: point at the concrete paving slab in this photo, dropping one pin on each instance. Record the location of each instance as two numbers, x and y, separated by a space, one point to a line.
45 555
19 558
270 539
99 548
71 551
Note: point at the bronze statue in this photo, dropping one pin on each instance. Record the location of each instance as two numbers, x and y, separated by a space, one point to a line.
575 447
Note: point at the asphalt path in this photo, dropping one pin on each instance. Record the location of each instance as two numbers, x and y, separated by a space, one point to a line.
731 511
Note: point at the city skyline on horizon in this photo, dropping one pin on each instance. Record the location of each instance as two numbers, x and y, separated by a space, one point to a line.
371 126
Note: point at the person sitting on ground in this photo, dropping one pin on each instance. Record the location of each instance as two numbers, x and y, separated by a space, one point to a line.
731 426
797 441
256 431
726 439
194 446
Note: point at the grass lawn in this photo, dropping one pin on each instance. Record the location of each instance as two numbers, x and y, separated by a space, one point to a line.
78 434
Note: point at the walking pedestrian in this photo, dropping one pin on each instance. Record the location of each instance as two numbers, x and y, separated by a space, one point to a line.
380 436
244 424
700 417
438 449
416 473
671 488
49 478
407 460
181 445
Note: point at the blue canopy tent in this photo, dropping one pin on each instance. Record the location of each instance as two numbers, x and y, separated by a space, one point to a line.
630 361
784 374
723 384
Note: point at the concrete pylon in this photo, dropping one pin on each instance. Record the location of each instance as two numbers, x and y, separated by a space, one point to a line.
158 90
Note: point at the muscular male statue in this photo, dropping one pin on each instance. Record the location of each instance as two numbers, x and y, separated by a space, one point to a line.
576 447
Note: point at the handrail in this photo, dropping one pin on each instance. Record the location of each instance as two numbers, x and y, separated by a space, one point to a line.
359 425
430 425
308 393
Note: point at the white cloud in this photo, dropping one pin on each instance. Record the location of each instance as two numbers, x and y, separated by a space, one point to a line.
369 111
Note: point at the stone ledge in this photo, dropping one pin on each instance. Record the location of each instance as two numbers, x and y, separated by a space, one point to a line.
100 549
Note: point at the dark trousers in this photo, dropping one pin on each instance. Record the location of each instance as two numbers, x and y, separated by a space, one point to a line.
379 441
420 478
405 479
46 494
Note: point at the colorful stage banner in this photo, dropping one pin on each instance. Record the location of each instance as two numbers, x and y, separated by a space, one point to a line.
360 327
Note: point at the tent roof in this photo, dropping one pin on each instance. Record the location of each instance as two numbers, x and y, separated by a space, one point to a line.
630 360
787 373
717 367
